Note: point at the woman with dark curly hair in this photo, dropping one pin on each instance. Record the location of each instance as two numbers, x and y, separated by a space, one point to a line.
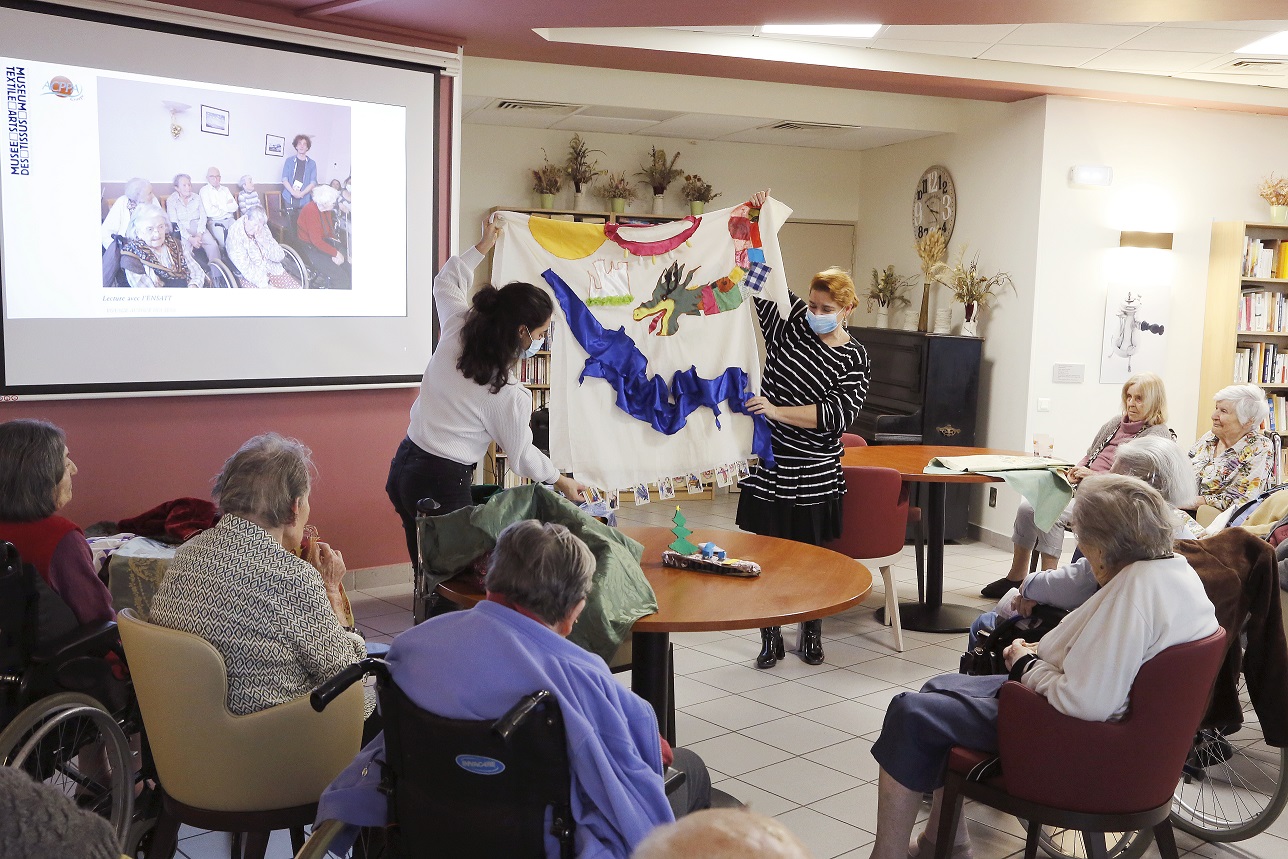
469 396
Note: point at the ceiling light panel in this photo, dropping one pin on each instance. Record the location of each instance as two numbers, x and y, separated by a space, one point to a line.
1275 43
827 31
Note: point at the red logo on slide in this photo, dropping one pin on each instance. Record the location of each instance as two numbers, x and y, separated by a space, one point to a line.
62 87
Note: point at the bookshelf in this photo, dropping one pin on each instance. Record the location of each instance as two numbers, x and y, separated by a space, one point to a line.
534 374
1245 337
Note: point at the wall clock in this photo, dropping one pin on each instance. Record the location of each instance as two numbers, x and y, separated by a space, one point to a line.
934 203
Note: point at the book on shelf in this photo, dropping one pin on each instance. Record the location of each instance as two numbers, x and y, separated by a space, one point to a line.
1264 258
1263 312
1277 420
1260 364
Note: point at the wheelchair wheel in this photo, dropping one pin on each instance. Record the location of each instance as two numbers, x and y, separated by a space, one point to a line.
369 842
71 743
1068 844
221 276
1233 785
294 265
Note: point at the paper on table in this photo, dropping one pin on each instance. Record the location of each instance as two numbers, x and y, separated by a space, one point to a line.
991 462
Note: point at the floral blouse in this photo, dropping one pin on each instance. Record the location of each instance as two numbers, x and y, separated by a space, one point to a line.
1236 474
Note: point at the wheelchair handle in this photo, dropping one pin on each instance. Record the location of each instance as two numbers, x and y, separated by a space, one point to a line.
331 689
506 725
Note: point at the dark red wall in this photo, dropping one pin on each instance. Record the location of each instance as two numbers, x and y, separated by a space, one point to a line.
135 453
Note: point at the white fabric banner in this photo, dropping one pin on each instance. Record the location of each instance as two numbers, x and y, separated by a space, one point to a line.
681 291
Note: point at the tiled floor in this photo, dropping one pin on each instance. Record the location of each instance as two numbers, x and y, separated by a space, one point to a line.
794 741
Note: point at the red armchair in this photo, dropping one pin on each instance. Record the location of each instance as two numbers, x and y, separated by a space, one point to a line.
1092 777
849 439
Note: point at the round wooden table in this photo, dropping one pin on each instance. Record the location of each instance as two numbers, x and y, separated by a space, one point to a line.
910 461
798 582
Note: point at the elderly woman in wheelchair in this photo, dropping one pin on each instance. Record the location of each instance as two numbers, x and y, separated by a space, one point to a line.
152 256
260 262
537 582
1148 601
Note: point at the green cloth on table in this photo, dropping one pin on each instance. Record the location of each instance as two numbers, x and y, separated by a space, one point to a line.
1033 477
620 594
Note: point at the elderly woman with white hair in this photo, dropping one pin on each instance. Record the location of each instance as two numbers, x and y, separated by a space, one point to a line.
1159 462
1144 414
319 241
153 257
1234 460
256 254
1148 601
277 618
116 225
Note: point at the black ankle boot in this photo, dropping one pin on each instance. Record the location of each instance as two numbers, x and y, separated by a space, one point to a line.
771 647
810 643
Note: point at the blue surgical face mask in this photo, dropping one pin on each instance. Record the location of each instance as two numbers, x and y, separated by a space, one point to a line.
533 348
821 323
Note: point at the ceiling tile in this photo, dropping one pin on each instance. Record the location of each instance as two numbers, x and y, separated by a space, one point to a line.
608 125
471 103
1154 62
514 118
780 138
704 127
1248 80
1049 55
1074 35
945 49
947 32
1167 38
623 112
1260 26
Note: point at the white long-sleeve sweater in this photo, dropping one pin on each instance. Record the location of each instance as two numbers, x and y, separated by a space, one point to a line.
1087 664
454 417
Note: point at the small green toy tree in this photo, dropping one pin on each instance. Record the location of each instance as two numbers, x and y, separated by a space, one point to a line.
681 544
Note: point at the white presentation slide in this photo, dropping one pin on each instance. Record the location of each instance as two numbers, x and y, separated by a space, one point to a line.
188 210
107 218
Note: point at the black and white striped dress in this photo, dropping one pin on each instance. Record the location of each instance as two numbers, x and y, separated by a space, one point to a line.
800 497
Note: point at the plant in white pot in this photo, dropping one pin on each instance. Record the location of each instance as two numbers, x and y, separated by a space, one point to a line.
697 193
658 174
579 169
546 181
887 291
971 288
1274 190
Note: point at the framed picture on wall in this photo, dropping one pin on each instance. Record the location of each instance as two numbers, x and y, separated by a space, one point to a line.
214 120
273 145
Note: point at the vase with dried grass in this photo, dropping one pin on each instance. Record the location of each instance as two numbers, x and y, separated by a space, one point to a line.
887 291
931 249
546 182
617 190
579 169
1274 190
973 289
658 174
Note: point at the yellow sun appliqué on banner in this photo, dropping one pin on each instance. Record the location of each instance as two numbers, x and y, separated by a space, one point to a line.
565 239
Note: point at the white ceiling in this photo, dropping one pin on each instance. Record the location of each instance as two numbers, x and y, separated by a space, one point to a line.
1189 50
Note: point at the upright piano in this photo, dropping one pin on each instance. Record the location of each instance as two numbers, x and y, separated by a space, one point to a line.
924 390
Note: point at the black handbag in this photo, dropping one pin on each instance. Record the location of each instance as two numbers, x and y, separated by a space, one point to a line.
986 656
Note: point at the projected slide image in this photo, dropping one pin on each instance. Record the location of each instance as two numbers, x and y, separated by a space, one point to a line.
181 199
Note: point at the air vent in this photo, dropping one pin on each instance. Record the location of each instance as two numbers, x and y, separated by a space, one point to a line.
1251 66
545 106
790 125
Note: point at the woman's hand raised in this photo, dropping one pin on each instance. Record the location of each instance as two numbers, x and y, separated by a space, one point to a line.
491 232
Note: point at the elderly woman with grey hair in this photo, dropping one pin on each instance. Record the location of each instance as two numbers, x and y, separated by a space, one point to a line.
256 254
537 581
1148 601
36 473
1234 460
153 257
277 618
1157 461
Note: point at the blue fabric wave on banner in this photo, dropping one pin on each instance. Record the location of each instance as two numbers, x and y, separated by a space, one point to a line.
616 359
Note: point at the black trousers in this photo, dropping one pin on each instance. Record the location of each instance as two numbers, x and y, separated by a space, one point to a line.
695 793
415 474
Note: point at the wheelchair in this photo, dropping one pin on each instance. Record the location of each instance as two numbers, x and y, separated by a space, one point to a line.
66 720
494 804
292 262
218 274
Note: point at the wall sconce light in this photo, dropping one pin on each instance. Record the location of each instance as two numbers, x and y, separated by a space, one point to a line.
1153 241
1091 176
175 107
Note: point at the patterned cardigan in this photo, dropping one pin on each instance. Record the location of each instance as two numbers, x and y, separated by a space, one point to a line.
265 610
1235 474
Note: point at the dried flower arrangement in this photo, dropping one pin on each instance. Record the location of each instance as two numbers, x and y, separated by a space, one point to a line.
658 174
616 187
548 178
887 289
697 191
931 250
578 167
969 286
1274 190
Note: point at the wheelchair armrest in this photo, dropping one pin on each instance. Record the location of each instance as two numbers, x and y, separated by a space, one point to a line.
673 779
427 506
94 639
331 689
506 725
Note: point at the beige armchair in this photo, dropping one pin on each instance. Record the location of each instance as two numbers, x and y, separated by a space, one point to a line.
243 774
